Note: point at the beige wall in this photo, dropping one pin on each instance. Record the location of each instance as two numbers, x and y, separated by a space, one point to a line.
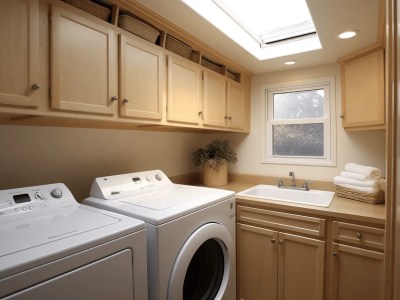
40 155
361 147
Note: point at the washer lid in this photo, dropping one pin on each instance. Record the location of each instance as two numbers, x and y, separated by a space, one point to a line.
168 197
19 232
163 205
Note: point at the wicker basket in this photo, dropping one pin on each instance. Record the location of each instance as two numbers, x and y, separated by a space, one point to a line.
231 75
138 28
215 177
373 198
91 8
212 65
174 45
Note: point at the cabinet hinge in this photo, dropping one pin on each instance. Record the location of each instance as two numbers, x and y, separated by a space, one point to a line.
202 76
50 93
166 62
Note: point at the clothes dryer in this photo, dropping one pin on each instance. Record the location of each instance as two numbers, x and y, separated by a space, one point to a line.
190 232
54 248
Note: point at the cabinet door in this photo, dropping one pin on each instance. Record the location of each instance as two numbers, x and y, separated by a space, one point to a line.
141 68
214 100
183 91
19 52
301 268
363 102
257 263
235 108
357 274
83 60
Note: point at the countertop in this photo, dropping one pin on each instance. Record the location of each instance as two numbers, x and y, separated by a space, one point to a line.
340 208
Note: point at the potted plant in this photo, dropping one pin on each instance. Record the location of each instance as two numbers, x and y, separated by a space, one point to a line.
214 159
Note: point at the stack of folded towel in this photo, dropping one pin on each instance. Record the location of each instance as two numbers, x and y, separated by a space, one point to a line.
360 182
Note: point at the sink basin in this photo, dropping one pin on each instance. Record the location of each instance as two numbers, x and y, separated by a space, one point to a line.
271 192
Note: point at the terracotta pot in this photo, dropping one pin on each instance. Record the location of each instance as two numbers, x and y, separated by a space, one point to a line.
215 176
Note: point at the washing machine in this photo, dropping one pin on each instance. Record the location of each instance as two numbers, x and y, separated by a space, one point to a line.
51 247
190 232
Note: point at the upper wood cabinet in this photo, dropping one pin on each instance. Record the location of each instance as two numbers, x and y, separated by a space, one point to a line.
19 52
183 91
235 105
141 80
363 96
223 102
83 64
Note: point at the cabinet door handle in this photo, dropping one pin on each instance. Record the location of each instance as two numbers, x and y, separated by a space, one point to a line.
358 234
35 86
226 117
273 241
230 118
125 101
280 242
334 254
341 116
114 98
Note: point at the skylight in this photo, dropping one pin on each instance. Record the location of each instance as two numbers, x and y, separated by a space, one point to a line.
266 29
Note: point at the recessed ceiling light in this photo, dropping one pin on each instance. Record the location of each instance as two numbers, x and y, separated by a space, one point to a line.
290 62
348 34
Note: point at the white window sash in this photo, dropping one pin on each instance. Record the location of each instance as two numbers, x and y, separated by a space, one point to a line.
328 121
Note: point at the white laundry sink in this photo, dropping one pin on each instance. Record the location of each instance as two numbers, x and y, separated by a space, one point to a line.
271 192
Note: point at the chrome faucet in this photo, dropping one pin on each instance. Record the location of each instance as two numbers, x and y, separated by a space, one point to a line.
293 184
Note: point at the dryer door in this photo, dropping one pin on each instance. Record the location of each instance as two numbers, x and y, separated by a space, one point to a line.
202 269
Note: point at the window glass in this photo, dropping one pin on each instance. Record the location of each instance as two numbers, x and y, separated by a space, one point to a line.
298 140
299 104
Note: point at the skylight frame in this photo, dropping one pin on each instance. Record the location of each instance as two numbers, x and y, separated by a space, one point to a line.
212 13
289 31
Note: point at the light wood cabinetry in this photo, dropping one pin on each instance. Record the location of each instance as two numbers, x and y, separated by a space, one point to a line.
357 269
19 52
363 96
141 80
273 264
96 74
183 90
223 102
82 64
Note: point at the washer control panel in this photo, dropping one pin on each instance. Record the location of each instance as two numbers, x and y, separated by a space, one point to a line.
21 200
120 186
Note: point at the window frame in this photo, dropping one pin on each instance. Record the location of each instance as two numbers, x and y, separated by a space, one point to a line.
328 120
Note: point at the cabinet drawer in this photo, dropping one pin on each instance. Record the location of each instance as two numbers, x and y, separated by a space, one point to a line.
280 220
358 235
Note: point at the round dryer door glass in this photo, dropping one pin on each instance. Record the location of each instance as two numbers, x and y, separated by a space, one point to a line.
206 270
203 269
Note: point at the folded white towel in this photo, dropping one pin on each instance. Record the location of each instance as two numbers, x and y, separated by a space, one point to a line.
343 180
356 176
370 172
363 189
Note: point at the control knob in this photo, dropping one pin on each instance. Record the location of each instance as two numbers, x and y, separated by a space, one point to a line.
158 177
56 193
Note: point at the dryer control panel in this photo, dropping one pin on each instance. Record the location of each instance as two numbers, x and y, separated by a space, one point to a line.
27 199
120 186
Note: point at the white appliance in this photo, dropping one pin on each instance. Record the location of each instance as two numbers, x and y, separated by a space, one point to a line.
51 247
190 232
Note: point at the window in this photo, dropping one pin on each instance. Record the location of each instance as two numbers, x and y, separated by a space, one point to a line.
299 123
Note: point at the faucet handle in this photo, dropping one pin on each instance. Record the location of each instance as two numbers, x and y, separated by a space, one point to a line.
306 184
280 182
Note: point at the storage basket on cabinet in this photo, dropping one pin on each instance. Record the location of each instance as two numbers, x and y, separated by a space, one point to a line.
138 28
92 8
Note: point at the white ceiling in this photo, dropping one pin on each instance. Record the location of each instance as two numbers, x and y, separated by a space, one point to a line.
330 17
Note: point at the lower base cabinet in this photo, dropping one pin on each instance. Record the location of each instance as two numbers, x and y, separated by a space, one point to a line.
287 256
277 265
